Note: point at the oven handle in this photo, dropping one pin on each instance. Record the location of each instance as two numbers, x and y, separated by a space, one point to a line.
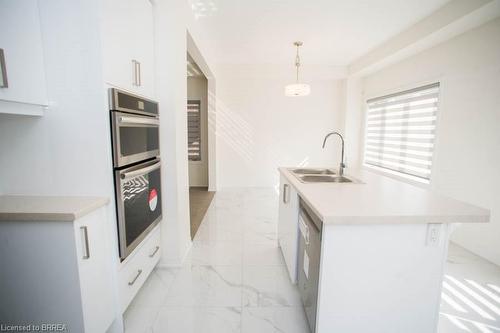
140 172
138 120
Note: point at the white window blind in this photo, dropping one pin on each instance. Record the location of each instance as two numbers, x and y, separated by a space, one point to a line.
194 130
400 132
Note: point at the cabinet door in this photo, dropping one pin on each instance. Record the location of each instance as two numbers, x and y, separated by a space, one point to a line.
128 45
144 52
94 265
288 226
21 41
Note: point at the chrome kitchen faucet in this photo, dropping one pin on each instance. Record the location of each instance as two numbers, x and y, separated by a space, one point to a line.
342 165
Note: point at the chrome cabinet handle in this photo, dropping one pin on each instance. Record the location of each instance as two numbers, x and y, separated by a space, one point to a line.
136 72
3 71
139 272
134 80
139 76
85 242
154 252
285 193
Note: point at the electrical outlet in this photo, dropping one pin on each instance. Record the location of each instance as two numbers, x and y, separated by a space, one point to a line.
433 233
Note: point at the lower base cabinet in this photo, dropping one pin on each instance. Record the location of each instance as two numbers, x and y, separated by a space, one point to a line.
57 273
136 268
288 227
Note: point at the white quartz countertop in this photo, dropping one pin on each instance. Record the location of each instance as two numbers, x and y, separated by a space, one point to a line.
47 208
381 200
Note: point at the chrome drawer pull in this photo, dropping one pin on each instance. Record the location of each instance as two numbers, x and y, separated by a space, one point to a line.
85 236
154 252
139 272
285 193
3 71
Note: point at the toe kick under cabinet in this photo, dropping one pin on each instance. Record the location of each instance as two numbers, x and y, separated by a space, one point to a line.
57 272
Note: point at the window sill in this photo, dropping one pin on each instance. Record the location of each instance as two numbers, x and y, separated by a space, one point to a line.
406 179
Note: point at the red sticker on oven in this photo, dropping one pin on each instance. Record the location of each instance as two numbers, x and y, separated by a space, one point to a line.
153 199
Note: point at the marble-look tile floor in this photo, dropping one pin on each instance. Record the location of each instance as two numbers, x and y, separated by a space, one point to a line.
234 280
470 299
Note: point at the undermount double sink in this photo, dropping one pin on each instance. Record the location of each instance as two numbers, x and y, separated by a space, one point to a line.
315 175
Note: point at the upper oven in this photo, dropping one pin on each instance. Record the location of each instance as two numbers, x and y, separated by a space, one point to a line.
130 103
135 138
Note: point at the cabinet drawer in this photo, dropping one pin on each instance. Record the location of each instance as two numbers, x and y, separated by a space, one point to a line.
136 269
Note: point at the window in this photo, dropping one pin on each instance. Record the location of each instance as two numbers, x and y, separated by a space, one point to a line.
400 132
194 130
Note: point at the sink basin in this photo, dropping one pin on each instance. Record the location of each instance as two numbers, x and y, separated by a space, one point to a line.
324 179
312 171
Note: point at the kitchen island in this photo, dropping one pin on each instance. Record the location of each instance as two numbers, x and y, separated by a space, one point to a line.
381 254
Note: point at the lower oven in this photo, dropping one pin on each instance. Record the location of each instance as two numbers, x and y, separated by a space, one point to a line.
138 196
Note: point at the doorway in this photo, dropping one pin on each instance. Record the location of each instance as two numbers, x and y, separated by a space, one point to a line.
197 124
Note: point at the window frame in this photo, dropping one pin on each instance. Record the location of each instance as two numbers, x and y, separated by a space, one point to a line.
400 89
197 101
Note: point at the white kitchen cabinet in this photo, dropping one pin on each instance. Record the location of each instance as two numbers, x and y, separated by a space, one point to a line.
94 266
134 271
21 42
288 226
57 272
128 45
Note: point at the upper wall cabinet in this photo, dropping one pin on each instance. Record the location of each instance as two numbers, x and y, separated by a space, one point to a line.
128 45
22 73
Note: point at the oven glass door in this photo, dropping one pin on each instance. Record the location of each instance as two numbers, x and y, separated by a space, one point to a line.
135 138
139 204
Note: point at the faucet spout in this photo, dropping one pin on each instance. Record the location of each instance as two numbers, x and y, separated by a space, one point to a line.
342 165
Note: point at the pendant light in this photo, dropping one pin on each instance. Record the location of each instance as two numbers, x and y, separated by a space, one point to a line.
297 89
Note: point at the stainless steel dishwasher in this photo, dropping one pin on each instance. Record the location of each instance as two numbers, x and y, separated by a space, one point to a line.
310 227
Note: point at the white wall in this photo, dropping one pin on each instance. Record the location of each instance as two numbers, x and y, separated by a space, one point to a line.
197 89
260 129
467 156
174 20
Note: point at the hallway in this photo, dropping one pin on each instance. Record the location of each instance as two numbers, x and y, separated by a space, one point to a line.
200 199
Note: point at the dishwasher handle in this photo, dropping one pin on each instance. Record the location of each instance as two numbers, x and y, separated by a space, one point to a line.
310 218
304 229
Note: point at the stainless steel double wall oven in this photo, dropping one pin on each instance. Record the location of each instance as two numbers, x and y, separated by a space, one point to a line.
136 160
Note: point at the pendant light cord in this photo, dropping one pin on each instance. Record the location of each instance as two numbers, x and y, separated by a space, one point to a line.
297 63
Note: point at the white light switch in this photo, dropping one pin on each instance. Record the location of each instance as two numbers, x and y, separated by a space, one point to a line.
433 234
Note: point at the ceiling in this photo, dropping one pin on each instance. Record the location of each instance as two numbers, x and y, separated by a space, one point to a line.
334 32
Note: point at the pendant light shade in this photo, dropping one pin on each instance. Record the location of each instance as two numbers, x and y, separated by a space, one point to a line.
297 89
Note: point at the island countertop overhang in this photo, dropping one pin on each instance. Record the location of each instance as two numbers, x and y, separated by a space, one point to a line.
380 199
